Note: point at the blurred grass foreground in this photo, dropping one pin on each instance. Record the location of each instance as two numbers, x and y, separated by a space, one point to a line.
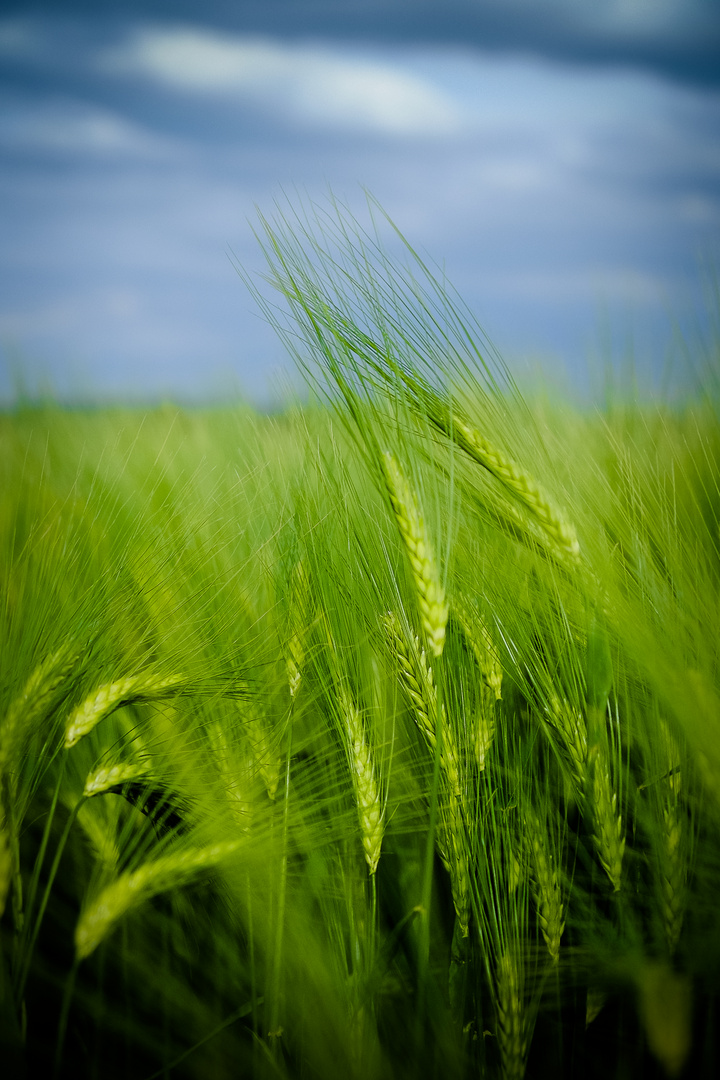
376 739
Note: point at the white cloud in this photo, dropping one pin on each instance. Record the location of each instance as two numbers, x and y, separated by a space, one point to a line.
630 19
312 83
64 126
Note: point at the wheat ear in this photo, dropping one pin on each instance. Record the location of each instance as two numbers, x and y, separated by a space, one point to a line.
673 866
417 680
429 589
486 656
482 645
367 794
133 887
512 1030
35 698
523 486
608 833
546 887
6 861
103 779
570 725
234 784
294 646
263 752
111 696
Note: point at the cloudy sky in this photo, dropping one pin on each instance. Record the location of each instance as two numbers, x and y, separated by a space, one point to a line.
560 160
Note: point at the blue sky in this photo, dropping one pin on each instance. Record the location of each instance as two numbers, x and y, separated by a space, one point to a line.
560 161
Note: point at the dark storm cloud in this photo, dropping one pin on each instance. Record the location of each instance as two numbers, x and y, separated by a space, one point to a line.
134 148
679 39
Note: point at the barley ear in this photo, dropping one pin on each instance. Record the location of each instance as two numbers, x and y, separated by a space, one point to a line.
519 483
233 777
569 724
367 795
6 861
105 778
482 646
478 638
512 1028
673 858
417 680
665 1007
453 849
608 832
298 620
429 589
133 887
37 696
546 887
111 696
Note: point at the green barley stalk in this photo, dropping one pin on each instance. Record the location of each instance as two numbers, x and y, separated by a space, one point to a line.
482 645
264 752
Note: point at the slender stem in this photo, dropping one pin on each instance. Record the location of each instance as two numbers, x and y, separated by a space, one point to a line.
274 1029
28 935
62 1023
427 880
30 945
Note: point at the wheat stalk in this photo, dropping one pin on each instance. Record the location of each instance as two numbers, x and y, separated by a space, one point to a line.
429 589
111 696
136 886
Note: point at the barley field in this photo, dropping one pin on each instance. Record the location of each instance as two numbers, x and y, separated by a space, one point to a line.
378 738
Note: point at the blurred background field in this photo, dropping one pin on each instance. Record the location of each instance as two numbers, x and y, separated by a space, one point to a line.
377 736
